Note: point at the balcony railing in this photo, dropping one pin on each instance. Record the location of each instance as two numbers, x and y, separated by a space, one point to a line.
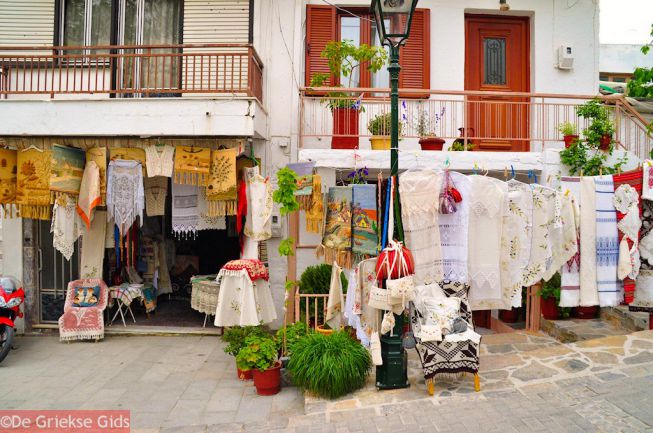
489 120
131 71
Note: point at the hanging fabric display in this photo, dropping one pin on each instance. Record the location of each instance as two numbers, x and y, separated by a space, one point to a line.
607 244
192 165
419 215
647 181
222 188
516 240
156 189
315 214
129 154
540 246
89 194
33 183
207 222
99 156
8 178
628 187
570 272
487 204
92 251
65 228
562 234
185 210
336 243
644 294
336 300
258 226
304 191
364 216
125 194
589 295
159 160
66 169
453 233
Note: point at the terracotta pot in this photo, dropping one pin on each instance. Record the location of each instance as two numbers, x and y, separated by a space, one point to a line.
550 309
268 382
569 139
586 312
509 316
380 142
345 128
431 143
244 374
321 330
606 140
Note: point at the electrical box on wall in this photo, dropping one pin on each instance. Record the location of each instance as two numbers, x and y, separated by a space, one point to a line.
277 224
565 57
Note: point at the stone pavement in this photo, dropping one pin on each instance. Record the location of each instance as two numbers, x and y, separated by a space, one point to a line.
187 384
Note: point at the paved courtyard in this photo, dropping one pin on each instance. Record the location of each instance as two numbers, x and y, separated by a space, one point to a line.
187 384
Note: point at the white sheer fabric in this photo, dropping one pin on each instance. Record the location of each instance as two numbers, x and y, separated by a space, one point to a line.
453 233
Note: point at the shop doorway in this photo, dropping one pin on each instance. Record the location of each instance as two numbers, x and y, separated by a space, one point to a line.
497 59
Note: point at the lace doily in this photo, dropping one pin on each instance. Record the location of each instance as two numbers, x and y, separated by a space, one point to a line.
625 197
630 224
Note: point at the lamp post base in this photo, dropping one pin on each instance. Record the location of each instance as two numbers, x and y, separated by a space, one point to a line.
393 374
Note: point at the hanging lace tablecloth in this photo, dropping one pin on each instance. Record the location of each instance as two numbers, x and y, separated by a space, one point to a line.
453 233
487 204
185 210
125 193
419 193
204 294
66 226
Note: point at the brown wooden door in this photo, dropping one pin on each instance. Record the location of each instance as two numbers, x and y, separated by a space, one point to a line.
497 59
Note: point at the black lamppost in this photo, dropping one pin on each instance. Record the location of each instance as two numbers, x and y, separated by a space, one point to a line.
393 19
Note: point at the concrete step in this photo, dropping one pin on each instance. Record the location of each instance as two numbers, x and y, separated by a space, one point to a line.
572 330
621 316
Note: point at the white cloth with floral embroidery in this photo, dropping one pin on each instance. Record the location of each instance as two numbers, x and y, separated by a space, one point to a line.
369 316
453 233
540 246
419 192
516 240
487 204
336 301
92 251
626 201
258 225
562 233
243 302
589 295
570 272
66 226
647 184
159 160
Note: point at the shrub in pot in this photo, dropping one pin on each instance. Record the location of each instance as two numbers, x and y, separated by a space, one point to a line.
291 334
569 133
329 365
598 134
380 127
261 355
426 126
550 294
235 338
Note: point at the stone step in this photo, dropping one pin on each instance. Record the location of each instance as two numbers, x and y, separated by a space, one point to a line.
621 316
572 330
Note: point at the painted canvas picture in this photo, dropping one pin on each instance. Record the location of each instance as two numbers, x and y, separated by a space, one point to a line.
66 169
364 220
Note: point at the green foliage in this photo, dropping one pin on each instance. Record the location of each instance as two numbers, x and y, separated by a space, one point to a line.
551 288
260 352
285 192
592 162
641 86
316 280
329 365
600 124
286 247
567 128
293 334
381 124
235 337
458 145
646 48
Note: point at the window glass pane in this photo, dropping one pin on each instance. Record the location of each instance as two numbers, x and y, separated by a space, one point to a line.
350 28
382 77
494 52
100 22
73 26
161 27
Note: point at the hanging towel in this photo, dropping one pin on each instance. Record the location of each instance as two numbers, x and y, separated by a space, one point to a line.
453 233
66 169
192 165
364 216
258 225
634 179
570 287
647 183
159 160
65 227
33 183
607 244
221 189
89 194
336 243
336 301
589 295
8 171
99 156
125 193
304 191
185 210
92 252
315 214
489 199
419 195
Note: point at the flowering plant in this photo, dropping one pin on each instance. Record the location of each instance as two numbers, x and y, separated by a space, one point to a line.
358 176
427 124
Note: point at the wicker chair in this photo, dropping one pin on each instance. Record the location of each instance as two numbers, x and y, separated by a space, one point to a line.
83 323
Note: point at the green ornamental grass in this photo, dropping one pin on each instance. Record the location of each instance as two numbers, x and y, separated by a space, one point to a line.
329 365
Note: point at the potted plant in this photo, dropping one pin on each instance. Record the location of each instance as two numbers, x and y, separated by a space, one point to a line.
458 144
291 334
598 134
569 133
235 338
426 129
329 365
344 59
380 127
550 294
260 355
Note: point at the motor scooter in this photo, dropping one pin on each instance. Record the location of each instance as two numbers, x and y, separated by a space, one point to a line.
11 297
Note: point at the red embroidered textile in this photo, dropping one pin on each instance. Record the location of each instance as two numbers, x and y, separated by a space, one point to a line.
255 268
634 179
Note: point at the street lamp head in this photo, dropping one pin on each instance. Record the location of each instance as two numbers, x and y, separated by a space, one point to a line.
393 19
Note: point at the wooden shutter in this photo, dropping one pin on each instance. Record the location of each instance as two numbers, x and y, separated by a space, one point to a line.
320 29
415 58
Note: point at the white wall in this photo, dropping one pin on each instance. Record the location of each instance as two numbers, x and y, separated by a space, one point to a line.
12 254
